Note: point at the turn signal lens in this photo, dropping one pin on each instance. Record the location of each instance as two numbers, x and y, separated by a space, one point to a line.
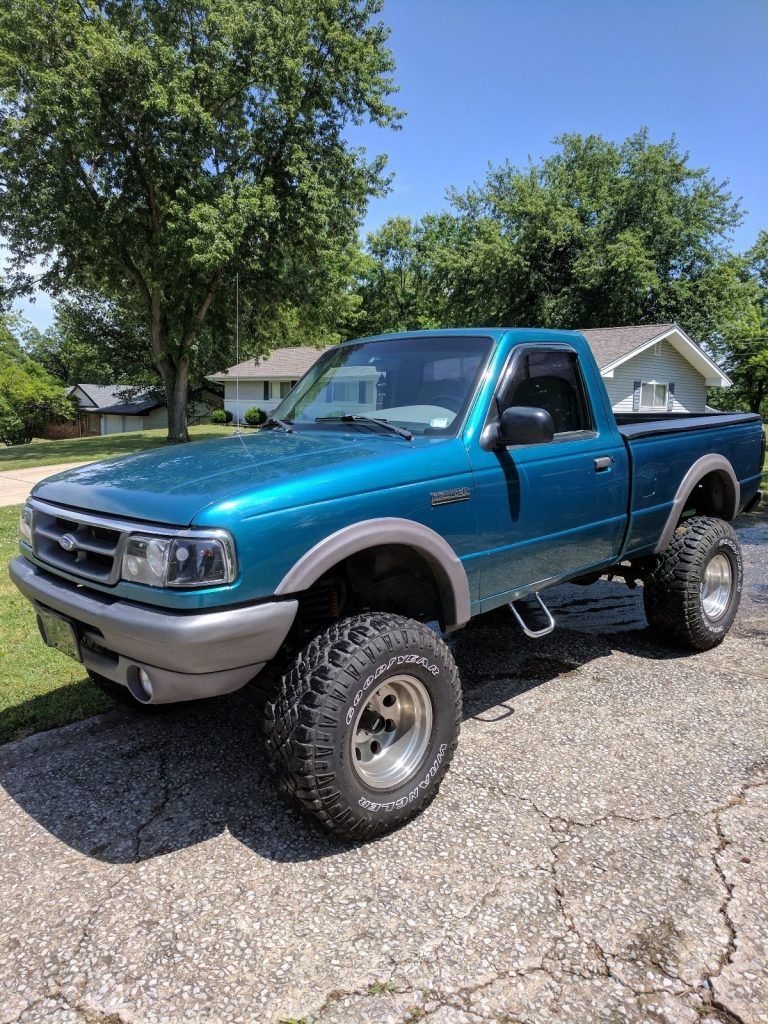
25 524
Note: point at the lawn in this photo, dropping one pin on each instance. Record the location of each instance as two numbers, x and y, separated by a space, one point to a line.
90 449
39 688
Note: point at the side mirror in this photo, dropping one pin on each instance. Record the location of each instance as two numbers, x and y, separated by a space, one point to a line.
522 424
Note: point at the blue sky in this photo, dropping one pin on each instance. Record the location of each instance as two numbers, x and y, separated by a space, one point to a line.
490 80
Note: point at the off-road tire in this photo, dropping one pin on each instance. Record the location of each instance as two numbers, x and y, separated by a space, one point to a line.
123 696
309 726
672 594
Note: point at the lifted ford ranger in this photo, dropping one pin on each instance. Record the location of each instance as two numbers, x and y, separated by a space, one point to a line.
406 484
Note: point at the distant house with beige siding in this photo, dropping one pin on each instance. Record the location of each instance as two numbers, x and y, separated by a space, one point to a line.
115 409
651 368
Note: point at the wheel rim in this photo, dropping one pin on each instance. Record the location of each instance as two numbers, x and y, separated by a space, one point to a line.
391 732
716 587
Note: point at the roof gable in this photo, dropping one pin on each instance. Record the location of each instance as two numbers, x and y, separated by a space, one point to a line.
613 346
111 398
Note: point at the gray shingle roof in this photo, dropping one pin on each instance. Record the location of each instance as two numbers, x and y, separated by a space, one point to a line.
111 399
282 364
611 343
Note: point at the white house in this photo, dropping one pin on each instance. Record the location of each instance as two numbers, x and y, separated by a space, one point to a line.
650 368
262 383
654 368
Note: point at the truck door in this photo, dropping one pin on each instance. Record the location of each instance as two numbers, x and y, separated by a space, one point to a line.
547 510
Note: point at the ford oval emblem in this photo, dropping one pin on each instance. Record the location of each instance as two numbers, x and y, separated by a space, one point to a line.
67 542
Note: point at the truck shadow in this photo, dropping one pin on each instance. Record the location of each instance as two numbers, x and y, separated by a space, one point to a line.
124 788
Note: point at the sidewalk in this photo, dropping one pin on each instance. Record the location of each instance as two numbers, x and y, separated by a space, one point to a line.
15 484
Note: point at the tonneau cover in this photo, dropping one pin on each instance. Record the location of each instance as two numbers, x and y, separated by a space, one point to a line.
643 426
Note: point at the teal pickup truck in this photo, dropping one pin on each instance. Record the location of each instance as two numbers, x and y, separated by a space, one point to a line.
406 484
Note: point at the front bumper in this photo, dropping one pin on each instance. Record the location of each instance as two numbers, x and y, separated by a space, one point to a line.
186 655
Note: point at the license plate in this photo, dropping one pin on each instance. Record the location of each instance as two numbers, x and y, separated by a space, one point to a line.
59 633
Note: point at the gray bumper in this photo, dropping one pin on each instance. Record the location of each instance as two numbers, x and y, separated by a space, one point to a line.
187 655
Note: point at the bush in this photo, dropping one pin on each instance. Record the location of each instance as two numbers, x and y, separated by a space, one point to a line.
254 416
220 416
230 416
29 399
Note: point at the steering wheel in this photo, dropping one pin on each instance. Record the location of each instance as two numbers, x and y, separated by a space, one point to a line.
446 401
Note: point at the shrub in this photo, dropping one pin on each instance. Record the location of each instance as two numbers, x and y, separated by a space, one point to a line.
220 416
254 416
29 399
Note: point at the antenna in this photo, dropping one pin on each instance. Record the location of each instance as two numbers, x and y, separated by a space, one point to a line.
237 351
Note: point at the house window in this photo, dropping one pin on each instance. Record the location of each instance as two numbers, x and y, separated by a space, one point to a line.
653 395
265 390
285 388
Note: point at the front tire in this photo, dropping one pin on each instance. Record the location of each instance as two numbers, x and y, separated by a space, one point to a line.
365 724
693 592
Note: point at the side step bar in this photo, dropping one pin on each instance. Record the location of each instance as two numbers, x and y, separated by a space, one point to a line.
535 633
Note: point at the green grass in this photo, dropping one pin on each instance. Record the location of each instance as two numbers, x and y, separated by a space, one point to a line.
90 449
39 688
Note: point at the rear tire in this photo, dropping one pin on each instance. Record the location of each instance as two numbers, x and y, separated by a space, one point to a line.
365 724
693 593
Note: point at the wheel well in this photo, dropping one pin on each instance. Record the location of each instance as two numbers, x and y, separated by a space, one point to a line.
386 578
713 495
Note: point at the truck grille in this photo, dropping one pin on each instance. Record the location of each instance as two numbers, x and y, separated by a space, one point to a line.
80 544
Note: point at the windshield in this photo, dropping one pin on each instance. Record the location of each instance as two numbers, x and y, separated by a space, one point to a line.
422 384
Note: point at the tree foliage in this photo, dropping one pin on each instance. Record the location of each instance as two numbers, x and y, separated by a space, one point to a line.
29 397
155 149
96 340
598 234
742 346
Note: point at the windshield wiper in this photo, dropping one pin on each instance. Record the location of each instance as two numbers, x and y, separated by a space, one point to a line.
351 418
275 421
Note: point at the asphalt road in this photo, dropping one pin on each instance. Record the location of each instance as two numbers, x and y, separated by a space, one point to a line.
598 851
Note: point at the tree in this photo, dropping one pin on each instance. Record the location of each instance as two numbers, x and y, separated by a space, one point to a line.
598 234
155 149
396 278
94 340
742 346
29 397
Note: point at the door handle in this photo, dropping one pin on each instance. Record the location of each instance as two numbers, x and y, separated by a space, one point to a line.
603 463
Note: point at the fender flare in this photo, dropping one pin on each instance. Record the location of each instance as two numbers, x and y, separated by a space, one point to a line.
702 467
447 569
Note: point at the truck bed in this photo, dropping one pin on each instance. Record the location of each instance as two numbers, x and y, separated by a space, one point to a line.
661 451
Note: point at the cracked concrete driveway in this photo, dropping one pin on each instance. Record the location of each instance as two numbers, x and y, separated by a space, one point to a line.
598 852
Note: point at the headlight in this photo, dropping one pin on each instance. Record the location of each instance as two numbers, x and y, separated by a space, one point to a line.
25 524
192 561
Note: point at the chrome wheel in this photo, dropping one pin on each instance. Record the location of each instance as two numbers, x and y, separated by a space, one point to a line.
716 587
391 732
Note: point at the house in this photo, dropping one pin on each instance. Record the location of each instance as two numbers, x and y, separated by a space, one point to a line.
117 408
651 368
264 382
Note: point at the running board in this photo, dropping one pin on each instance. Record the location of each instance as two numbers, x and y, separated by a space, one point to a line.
535 633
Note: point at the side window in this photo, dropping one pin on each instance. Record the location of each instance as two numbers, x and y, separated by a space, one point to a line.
549 379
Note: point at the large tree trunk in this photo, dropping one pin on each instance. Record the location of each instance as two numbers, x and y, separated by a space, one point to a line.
176 379
175 374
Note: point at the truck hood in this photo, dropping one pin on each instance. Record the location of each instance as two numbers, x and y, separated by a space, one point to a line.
251 473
